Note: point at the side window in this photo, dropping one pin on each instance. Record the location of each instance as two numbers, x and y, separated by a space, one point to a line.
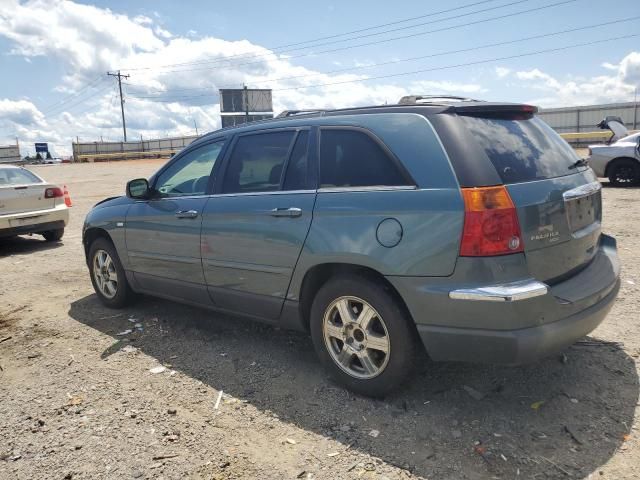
296 176
349 158
256 162
190 174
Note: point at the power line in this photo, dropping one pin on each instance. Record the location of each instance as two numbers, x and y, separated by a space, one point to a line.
75 103
377 42
397 22
280 47
92 83
459 65
173 98
393 62
424 70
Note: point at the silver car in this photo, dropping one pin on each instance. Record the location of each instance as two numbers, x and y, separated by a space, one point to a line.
29 204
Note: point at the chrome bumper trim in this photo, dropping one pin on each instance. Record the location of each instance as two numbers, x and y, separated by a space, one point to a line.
506 292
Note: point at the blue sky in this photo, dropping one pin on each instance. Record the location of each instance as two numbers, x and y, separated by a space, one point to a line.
56 55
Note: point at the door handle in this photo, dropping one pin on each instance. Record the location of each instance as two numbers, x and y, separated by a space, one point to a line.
186 214
286 212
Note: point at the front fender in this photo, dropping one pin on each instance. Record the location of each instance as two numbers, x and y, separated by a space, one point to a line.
110 219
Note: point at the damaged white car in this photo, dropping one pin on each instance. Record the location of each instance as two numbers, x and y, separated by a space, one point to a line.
619 161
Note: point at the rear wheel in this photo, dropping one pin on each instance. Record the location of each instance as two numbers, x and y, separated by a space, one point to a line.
362 335
107 275
53 235
624 172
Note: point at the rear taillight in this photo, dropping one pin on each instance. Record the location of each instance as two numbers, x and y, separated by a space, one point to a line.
53 192
490 223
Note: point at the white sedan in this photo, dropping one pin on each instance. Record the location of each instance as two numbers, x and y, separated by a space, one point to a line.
620 160
28 205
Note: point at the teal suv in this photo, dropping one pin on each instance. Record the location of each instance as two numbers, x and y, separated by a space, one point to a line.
468 228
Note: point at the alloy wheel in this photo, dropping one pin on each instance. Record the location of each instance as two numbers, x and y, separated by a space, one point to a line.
356 337
105 274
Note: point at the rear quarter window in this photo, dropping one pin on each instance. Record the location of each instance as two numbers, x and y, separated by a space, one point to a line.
351 158
522 150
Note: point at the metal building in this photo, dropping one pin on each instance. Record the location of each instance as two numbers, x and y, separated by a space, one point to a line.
107 151
585 118
10 153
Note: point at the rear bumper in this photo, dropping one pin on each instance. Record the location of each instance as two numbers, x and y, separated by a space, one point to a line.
514 347
510 321
34 222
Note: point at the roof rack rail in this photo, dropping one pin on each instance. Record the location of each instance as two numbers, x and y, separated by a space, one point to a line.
413 99
291 113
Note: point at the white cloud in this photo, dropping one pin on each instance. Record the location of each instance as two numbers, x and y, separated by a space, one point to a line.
630 69
615 87
88 41
502 71
19 111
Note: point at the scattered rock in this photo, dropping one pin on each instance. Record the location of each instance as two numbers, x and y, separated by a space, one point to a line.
473 393
158 369
172 411
374 433
572 432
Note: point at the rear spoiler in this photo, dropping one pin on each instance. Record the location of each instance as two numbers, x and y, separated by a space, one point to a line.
492 109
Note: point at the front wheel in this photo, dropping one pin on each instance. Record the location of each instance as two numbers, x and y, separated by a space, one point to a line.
624 172
107 275
362 335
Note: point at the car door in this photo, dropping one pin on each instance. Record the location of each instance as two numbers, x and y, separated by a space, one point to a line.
163 233
255 225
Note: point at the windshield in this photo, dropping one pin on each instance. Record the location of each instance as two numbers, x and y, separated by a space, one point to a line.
523 150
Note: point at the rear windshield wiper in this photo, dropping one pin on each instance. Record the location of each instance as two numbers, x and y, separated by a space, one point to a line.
578 163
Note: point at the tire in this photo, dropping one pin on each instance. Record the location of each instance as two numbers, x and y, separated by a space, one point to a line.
53 235
624 172
110 283
389 325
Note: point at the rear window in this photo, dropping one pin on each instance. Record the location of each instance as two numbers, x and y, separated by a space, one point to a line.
522 150
17 176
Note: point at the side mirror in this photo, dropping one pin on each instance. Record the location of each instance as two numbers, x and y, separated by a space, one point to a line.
138 188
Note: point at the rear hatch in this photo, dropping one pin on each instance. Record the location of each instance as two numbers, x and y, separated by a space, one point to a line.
557 197
21 191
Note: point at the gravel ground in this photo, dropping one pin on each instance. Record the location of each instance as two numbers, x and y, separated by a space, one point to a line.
78 400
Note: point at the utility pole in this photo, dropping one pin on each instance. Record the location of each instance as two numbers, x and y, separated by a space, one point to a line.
246 105
120 76
635 108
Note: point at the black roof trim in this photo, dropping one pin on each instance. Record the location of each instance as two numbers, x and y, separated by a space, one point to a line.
460 107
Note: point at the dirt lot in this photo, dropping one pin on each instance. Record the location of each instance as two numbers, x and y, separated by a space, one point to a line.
78 400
